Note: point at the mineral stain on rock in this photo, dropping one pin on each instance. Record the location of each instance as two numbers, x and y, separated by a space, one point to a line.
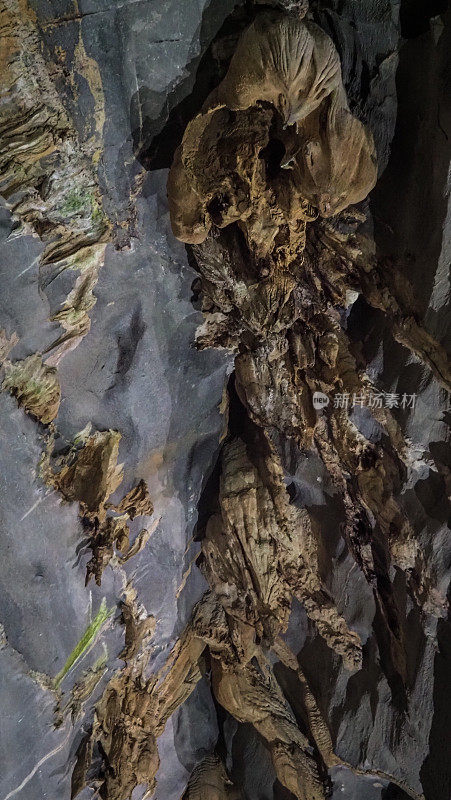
89 476
35 386
48 177
308 571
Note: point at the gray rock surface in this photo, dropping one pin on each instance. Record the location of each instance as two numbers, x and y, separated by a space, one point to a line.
138 372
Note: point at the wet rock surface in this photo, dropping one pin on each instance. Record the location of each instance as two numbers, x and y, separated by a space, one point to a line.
98 289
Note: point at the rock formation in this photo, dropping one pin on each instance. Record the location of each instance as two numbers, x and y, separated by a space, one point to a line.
226 405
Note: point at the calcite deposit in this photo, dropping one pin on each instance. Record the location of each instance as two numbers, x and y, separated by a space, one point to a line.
225 390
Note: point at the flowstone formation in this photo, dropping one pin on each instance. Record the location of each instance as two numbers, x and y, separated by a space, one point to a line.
265 188
224 574
281 106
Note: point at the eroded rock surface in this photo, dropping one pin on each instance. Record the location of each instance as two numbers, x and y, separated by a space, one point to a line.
269 614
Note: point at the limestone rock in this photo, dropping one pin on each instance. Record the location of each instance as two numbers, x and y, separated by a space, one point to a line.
244 440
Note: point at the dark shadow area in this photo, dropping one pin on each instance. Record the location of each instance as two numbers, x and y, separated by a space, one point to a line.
272 155
441 451
252 766
321 667
433 496
409 203
387 626
415 639
363 683
195 724
435 772
156 139
345 36
328 518
127 345
393 792
281 792
415 16
293 692
291 688
208 501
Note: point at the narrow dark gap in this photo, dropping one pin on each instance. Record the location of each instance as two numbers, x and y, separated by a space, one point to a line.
272 155
383 631
217 207
208 501
435 772
393 792
289 683
281 792
239 425
238 417
221 715
156 150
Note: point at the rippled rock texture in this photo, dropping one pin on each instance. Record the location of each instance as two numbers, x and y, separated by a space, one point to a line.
212 587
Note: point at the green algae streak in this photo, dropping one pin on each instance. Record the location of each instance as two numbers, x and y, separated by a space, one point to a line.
88 637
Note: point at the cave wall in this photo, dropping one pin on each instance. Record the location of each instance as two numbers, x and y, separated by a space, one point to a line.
121 70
